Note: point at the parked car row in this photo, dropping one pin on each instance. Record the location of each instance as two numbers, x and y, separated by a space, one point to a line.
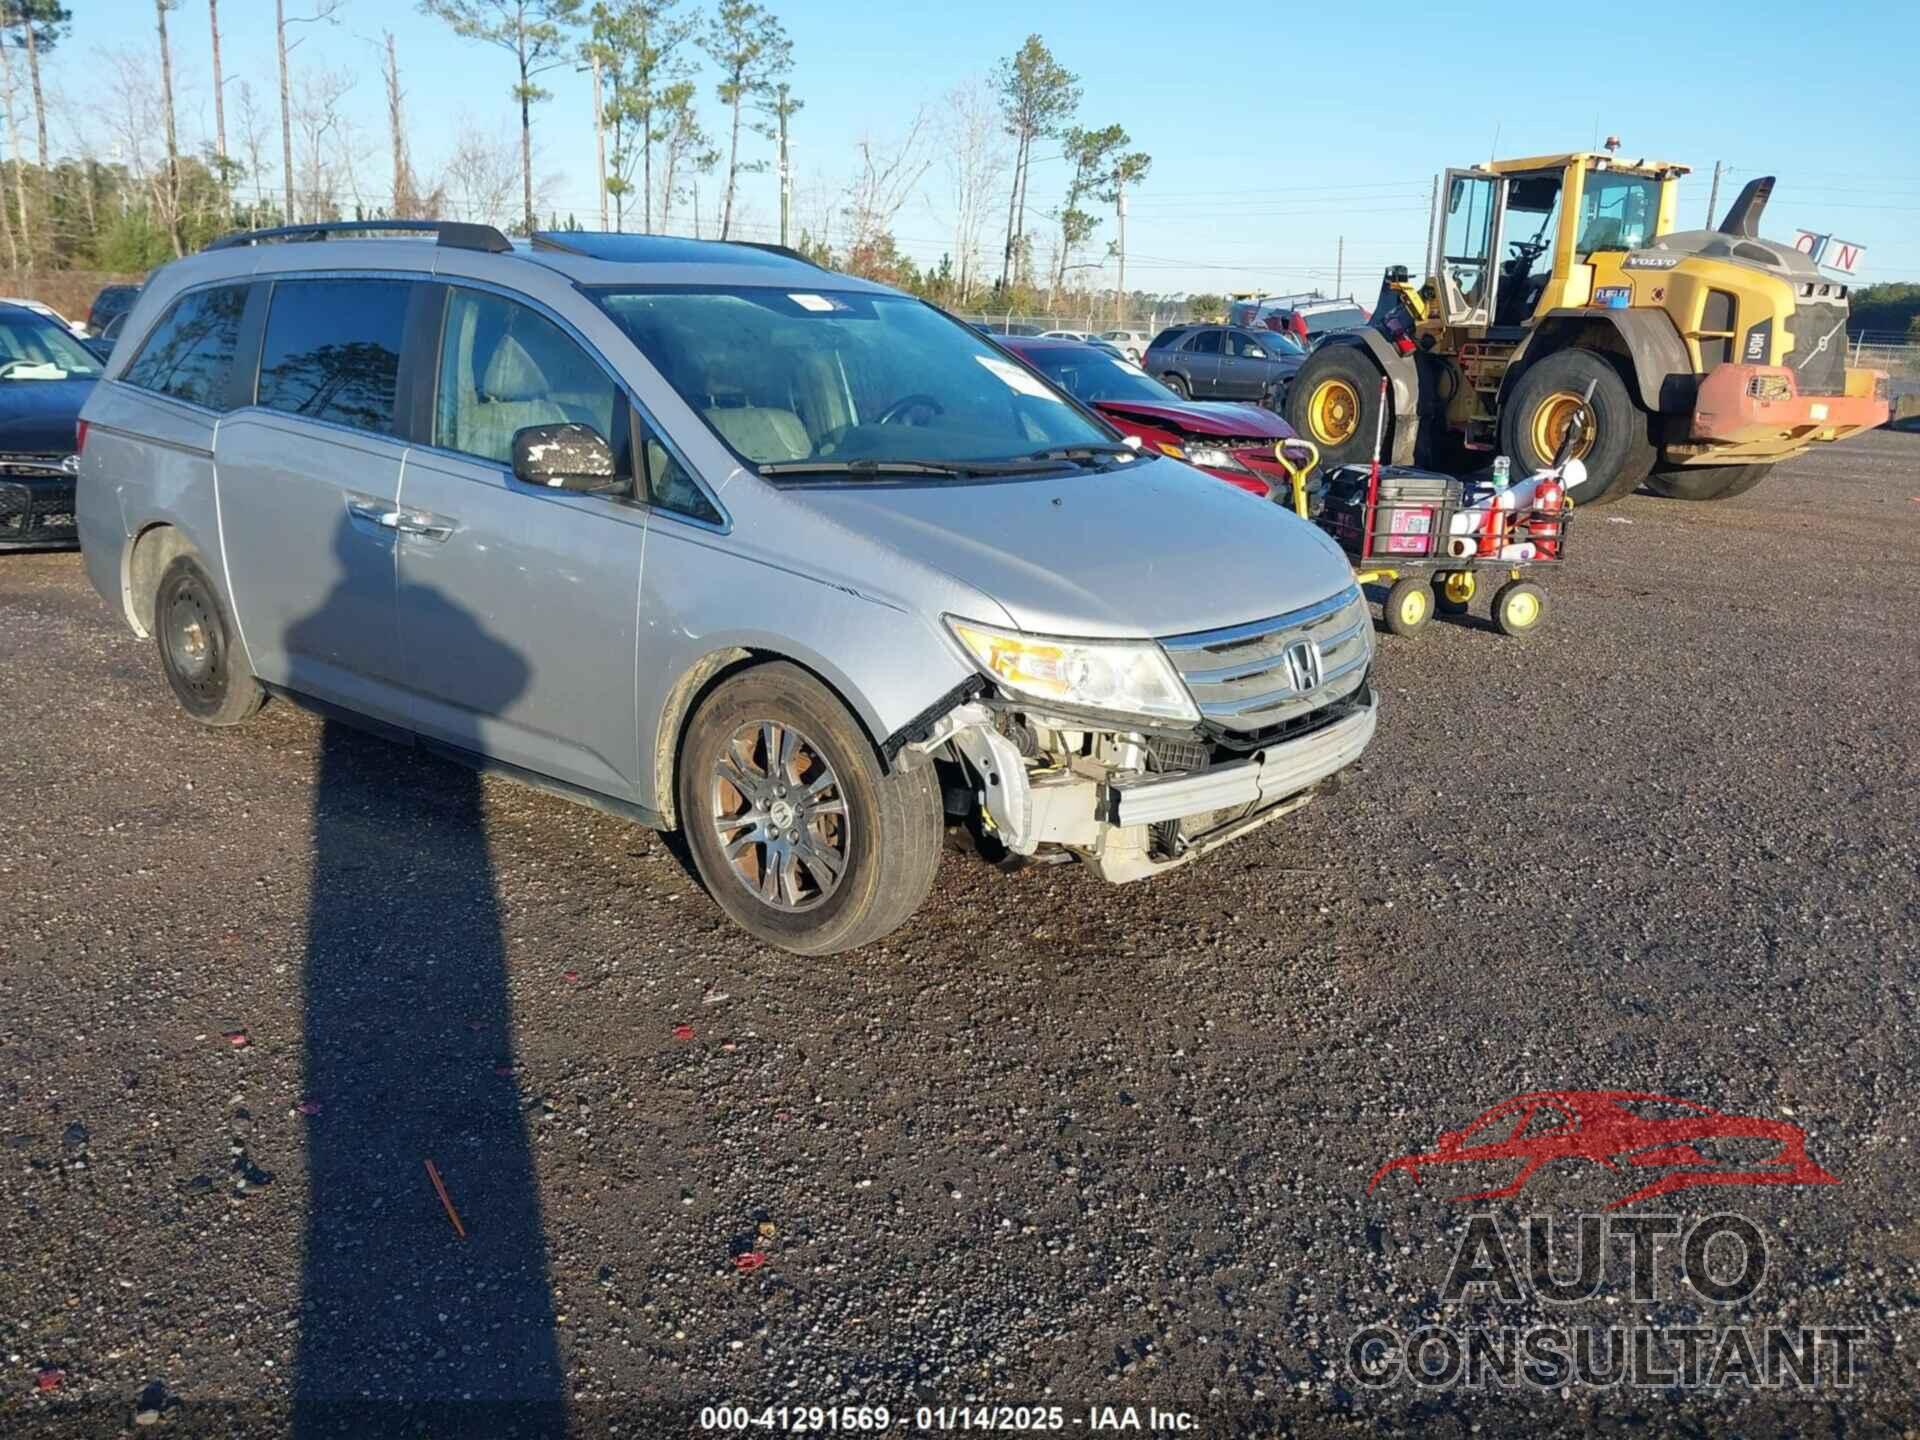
897 577
1225 362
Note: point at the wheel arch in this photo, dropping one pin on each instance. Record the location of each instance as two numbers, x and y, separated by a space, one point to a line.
153 549
1645 345
700 680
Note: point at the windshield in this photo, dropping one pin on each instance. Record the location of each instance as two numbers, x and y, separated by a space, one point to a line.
1093 376
33 347
1278 342
844 376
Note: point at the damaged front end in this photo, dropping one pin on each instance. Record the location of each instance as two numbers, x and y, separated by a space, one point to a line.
1263 714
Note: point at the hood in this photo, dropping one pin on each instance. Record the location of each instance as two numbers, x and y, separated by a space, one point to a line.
1162 550
1200 419
37 416
1785 261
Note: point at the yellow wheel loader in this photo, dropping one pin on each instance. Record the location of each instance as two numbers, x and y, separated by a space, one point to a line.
1712 355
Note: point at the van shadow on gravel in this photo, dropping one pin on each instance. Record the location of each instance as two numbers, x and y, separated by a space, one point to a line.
404 1328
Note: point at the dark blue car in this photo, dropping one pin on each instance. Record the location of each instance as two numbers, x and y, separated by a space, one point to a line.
45 377
1225 362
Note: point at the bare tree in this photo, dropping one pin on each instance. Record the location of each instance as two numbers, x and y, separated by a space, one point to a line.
323 10
976 161
534 32
160 9
253 139
405 202
325 141
481 176
888 175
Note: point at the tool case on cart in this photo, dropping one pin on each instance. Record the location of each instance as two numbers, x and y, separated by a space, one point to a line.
1410 514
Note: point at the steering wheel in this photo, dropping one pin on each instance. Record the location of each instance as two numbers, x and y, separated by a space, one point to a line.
905 405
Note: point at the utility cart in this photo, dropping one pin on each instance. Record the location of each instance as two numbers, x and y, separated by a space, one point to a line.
1435 540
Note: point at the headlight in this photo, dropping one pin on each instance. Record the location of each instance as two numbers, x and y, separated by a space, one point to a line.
1129 676
1213 457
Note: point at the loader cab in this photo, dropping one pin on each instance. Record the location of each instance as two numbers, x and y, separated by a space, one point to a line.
1515 238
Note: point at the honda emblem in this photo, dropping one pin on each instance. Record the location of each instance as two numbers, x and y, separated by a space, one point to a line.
1303 662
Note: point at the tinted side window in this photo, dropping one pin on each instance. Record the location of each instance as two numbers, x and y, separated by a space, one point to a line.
332 350
1207 342
504 368
189 355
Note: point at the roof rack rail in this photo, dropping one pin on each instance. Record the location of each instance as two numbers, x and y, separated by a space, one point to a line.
454 234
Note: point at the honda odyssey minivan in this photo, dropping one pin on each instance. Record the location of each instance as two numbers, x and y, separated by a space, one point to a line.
717 539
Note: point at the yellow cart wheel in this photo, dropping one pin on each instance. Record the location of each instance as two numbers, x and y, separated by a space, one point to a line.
1518 607
1409 606
1453 591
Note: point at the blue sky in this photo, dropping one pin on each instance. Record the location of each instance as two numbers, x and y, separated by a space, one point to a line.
1275 130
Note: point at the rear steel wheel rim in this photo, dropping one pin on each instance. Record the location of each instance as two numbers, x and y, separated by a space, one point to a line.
193 643
779 814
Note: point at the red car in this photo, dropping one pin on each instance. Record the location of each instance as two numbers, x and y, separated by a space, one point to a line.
1674 1144
1234 442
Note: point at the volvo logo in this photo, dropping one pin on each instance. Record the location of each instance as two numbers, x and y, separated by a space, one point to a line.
1303 663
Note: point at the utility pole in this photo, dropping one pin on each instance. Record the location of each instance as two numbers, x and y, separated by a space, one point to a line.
1340 267
1713 195
286 111
786 177
173 147
219 98
600 140
1120 218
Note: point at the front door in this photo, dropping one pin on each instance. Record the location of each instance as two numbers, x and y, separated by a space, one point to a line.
307 480
1245 370
519 604
1466 244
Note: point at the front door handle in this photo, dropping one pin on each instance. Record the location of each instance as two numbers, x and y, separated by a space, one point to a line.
426 527
374 512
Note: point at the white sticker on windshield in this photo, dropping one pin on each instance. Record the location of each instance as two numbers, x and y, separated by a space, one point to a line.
1018 377
813 302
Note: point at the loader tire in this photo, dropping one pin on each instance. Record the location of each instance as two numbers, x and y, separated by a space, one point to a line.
1618 452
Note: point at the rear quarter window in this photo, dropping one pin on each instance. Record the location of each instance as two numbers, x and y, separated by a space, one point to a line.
189 354
332 350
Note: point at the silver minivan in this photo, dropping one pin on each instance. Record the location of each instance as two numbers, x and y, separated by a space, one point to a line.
714 538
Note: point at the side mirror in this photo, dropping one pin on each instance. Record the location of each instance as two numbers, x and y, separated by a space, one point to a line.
564 457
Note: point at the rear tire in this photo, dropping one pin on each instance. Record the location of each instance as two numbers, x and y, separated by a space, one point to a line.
1334 401
1453 592
884 829
195 636
1621 453
1177 384
1718 482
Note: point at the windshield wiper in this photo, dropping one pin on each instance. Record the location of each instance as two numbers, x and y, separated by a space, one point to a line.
951 469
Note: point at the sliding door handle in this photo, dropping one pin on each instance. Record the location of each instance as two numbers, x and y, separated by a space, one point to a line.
374 512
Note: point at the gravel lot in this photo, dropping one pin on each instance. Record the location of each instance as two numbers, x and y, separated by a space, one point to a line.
1053 1143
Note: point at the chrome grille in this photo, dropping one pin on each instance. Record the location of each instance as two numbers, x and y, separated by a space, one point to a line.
1245 678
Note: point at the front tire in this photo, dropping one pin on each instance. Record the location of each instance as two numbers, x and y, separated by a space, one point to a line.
1334 401
797 832
1408 606
1617 450
195 637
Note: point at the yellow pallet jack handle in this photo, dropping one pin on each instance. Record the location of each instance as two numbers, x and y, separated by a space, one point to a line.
1297 474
